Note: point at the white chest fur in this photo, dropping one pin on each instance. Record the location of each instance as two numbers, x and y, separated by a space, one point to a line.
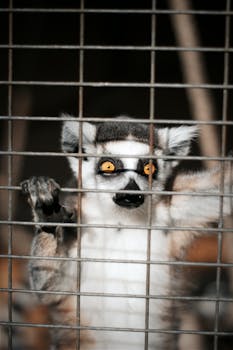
120 279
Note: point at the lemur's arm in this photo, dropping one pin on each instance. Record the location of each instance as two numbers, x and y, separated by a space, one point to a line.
53 275
193 209
49 241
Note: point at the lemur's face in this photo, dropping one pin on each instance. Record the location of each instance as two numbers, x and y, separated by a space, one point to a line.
122 166
119 162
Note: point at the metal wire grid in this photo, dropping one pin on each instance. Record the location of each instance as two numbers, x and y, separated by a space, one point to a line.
81 84
10 204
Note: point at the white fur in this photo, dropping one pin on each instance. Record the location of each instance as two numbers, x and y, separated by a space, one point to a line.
173 137
177 140
122 278
88 130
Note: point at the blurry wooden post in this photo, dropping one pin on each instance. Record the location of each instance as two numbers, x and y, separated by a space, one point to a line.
194 72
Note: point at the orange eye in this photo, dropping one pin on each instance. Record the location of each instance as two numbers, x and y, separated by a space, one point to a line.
107 167
149 168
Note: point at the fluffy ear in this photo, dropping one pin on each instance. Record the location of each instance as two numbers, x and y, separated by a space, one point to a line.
177 140
70 135
70 140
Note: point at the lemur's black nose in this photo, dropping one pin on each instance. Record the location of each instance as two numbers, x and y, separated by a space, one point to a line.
129 200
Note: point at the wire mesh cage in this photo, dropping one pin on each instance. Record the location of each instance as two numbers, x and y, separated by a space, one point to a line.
165 64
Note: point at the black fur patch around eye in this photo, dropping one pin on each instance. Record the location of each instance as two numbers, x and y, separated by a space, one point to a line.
117 162
141 165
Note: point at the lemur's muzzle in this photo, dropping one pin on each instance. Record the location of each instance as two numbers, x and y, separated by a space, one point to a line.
129 200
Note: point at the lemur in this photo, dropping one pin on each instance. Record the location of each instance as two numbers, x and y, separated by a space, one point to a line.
117 285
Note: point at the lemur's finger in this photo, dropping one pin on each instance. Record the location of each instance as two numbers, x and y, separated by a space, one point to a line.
24 187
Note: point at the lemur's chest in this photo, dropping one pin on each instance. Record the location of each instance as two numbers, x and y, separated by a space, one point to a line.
118 271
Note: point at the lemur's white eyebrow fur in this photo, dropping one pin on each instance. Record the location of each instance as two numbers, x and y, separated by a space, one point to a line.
133 148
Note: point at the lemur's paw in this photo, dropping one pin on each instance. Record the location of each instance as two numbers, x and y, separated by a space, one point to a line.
42 193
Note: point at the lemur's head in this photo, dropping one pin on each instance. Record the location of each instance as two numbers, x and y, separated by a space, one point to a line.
118 156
